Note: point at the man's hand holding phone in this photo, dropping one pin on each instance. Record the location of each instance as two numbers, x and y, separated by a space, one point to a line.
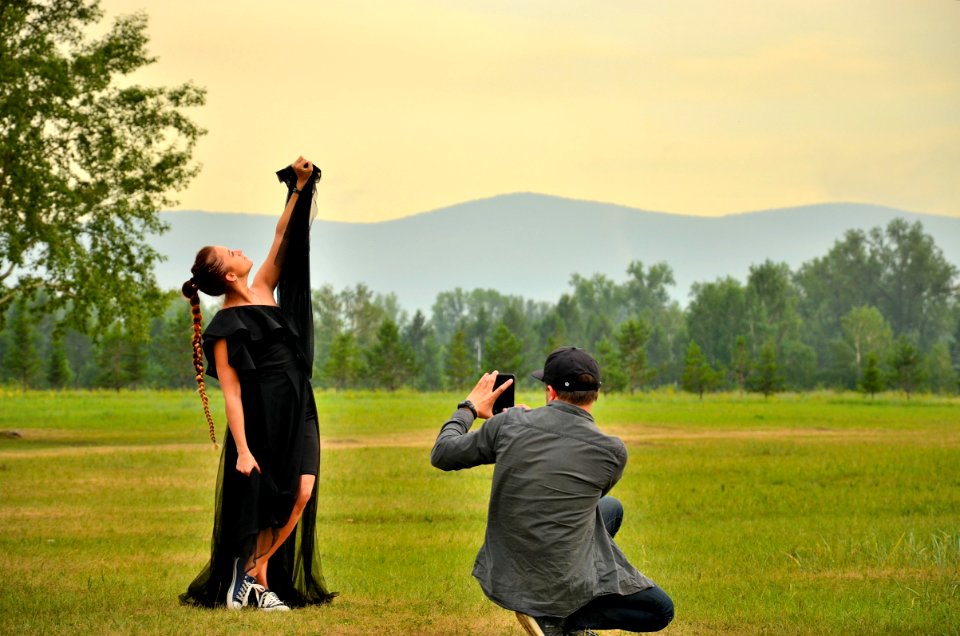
484 395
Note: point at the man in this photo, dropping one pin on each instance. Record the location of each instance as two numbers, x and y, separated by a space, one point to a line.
548 552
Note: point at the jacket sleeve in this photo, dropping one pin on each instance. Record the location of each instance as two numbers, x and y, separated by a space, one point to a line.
456 447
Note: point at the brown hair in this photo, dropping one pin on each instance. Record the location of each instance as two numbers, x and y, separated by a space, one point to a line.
580 398
207 277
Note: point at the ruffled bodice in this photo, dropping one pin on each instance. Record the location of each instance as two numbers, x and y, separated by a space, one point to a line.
258 337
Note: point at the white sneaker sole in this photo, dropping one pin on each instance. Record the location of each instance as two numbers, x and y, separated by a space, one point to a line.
233 584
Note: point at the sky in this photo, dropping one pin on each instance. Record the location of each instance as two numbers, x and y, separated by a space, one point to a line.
691 107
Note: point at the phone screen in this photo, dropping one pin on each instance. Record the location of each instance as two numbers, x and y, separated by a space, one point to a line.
506 398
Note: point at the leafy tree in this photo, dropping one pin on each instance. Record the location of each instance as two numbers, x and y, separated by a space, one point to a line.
328 322
362 315
343 362
938 370
905 366
799 364
771 303
867 332
717 317
765 376
872 380
21 361
698 376
646 293
390 361
459 367
632 346
917 281
87 158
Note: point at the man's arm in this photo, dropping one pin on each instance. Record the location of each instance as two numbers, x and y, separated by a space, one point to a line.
456 447
620 464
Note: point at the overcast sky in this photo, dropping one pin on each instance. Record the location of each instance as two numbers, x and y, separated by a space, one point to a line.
686 106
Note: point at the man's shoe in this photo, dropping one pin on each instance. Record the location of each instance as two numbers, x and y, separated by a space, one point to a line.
242 584
542 626
270 602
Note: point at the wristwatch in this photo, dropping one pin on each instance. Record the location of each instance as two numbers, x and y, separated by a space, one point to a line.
467 404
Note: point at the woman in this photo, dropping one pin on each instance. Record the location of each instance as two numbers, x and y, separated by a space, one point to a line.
263 551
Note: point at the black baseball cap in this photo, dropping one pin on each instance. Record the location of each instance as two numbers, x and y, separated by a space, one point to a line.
563 369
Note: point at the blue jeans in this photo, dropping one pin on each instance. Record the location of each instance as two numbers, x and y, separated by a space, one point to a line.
648 610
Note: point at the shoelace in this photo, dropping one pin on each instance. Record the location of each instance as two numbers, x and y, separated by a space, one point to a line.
269 599
248 586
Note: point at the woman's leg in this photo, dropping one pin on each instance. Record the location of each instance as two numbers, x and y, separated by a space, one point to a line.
269 540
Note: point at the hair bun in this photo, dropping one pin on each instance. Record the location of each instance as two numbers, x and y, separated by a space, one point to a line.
189 289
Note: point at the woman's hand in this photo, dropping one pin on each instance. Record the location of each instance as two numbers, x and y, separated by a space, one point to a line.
246 463
304 170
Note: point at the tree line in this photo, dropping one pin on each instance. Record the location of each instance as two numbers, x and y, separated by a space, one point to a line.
879 311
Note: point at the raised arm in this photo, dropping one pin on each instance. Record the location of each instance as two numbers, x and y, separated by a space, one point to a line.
268 275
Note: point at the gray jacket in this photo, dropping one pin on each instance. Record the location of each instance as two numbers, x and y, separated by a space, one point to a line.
546 552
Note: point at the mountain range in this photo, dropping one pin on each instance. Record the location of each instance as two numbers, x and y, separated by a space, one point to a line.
530 244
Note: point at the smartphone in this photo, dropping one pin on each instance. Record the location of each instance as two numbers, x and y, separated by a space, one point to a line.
506 398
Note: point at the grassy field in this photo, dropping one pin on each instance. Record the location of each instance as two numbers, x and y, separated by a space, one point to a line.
801 514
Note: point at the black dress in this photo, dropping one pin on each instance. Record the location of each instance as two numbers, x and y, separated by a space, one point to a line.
272 356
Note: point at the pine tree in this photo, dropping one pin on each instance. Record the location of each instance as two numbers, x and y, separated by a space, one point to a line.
872 380
765 377
504 351
343 361
906 372
390 361
611 367
632 344
110 359
59 374
21 360
698 376
459 365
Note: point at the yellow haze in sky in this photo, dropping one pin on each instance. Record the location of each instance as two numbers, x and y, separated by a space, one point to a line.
691 107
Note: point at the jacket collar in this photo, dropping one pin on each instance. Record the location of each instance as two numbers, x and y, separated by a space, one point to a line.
573 409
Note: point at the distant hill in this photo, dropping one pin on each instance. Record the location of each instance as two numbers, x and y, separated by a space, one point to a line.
530 244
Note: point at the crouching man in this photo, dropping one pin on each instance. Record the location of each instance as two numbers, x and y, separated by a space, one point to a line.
548 553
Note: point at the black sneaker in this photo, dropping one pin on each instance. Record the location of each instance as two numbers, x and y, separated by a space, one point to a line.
242 584
270 602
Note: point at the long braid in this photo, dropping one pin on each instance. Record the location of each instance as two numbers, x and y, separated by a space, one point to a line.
190 291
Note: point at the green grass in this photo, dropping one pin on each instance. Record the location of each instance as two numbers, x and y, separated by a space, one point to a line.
801 514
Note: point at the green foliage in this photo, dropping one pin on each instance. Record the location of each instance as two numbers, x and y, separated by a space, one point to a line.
872 380
459 367
504 351
59 374
906 372
21 361
344 361
389 362
765 376
611 367
632 349
698 376
87 158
